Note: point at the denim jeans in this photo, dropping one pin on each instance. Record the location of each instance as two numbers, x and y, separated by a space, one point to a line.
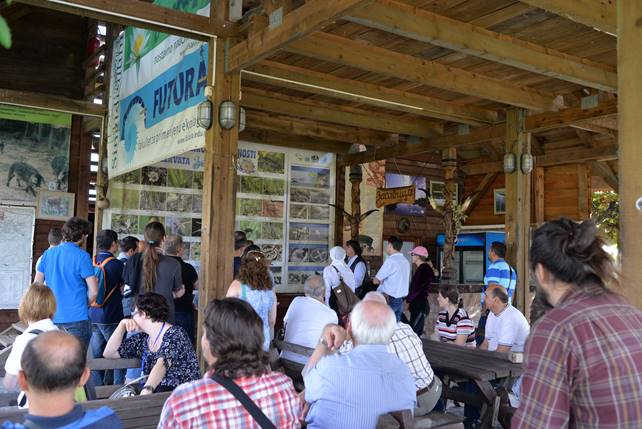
128 305
100 334
185 320
80 330
397 306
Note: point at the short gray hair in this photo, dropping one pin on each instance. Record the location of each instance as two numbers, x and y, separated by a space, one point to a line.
172 244
314 287
372 322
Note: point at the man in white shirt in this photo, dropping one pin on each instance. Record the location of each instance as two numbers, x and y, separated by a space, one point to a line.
506 328
393 277
306 317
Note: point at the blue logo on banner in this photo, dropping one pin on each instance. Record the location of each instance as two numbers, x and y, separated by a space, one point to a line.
175 90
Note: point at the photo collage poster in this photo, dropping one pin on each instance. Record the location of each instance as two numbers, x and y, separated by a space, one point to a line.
282 205
170 192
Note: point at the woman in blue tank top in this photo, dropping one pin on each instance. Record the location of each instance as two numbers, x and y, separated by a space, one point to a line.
253 284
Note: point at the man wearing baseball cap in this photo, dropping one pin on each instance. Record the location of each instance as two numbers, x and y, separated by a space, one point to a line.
417 299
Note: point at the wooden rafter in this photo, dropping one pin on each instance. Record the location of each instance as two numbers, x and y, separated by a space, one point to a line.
305 127
424 26
341 115
296 142
51 102
341 50
142 15
603 170
598 14
310 81
558 157
480 191
310 17
477 135
567 117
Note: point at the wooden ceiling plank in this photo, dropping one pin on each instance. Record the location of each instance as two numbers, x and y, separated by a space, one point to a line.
301 79
51 102
598 14
421 25
331 48
306 19
567 117
296 142
142 15
340 115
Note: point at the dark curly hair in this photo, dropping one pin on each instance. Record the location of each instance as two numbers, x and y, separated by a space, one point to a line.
154 306
235 334
254 271
74 229
574 253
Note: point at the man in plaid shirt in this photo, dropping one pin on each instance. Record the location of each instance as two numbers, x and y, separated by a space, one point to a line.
583 360
232 345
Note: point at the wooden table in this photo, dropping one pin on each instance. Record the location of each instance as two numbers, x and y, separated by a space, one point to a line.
483 368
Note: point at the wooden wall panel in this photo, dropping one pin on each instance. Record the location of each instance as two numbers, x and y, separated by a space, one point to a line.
484 213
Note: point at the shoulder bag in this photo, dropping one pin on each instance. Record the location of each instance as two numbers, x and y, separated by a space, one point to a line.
245 400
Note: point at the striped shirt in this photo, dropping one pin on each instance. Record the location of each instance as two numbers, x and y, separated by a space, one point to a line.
583 366
458 324
499 272
206 404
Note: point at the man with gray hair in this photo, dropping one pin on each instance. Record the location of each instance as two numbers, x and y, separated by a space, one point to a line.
352 390
184 307
306 317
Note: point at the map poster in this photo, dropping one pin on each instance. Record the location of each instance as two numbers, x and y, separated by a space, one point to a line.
16 240
34 153
158 81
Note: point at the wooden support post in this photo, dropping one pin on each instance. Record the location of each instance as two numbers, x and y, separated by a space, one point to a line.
629 44
583 191
539 195
518 207
356 177
449 162
217 238
339 199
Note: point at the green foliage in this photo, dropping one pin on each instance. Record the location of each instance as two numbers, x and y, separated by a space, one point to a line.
606 214
5 33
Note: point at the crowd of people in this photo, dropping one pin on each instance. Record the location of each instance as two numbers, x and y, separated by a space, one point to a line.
582 358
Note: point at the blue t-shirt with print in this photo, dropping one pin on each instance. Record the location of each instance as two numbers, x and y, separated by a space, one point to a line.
77 418
65 268
112 311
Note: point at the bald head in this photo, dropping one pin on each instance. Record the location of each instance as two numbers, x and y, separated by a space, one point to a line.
375 296
372 322
53 361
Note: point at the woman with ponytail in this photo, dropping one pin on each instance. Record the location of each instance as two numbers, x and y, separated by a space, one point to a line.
151 271
583 358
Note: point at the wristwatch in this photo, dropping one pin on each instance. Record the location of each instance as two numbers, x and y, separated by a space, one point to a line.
148 387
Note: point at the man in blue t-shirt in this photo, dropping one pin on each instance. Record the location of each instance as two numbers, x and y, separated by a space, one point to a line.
500 273
105 319
54 364
69 273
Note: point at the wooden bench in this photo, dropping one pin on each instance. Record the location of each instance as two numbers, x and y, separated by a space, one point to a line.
103 392
396 419
137 412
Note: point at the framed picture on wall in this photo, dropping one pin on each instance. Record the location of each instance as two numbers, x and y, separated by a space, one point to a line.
499 199
55 205
437 192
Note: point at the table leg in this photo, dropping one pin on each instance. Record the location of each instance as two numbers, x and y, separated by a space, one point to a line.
490 407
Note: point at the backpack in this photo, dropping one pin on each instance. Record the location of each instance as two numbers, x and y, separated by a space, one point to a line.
101 276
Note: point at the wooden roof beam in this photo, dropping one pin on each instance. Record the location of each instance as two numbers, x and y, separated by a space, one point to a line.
477 135
51 102
296 142
306 19
341 115
558 157
598 14
310 81
418 24
568 117
142 15
347 52
603 170
305 127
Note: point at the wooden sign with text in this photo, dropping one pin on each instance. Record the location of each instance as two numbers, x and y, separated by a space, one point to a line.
388 196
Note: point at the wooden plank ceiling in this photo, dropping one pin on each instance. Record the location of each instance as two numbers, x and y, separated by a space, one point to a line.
439 67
